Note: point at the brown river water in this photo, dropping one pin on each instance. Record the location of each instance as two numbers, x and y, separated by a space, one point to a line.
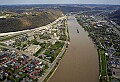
80 63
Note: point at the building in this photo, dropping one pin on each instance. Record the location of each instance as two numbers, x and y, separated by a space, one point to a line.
9 42
32 49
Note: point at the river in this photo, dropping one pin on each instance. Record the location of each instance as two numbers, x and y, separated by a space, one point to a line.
80 63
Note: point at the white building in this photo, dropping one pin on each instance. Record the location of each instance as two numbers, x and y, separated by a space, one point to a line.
9 42
32 49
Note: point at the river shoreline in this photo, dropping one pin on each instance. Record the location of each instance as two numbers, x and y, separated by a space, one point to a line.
61 57
78 63
55 68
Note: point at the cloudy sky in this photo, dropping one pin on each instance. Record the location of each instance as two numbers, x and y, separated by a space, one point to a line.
4 2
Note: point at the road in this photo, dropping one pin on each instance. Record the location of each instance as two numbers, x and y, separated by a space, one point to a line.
23 52
51 66
39 28
116 27
41 79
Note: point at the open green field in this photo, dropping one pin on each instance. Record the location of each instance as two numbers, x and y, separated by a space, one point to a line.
103 63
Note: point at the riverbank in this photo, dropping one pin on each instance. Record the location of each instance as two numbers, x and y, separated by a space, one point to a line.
106 40
78 63
60 55
101 57
54 69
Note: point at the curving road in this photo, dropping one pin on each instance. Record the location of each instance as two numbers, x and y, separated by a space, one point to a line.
80 63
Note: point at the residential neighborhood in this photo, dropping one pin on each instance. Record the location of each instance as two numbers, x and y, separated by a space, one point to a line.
26 55
107 40
60 41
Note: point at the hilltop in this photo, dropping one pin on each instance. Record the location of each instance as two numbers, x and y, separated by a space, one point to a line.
12 21
115 16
